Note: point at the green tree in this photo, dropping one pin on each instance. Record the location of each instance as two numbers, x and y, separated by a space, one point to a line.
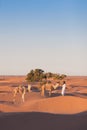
39 75
35 75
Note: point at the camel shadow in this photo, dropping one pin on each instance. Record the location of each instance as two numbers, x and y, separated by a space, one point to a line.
5 92
34 89
75 94
84 86
7 102
55 94
52 94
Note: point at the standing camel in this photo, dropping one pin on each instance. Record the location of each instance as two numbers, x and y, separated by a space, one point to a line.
19 90
46 87
49 87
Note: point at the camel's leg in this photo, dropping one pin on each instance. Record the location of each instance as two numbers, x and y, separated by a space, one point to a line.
15 93
23 97
50 93
43 91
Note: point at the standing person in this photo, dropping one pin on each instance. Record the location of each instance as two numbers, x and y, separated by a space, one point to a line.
63 88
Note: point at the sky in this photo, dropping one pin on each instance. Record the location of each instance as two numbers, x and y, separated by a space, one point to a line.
46 34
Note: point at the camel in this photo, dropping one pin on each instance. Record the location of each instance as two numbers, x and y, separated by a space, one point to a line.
49 87
21 90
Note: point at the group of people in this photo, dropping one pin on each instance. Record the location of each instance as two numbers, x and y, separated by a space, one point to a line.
22 90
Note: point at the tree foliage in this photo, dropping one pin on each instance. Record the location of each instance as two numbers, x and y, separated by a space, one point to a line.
59 77
39 75
35 75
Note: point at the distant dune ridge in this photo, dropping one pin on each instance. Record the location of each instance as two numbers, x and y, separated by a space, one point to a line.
67 112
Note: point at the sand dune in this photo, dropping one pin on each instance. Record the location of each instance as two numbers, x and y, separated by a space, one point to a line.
61 105
57 112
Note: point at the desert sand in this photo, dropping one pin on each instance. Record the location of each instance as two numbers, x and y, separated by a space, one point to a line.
57 112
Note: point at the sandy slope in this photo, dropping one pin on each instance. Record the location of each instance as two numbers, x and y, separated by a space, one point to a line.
75 100
60 111
61 105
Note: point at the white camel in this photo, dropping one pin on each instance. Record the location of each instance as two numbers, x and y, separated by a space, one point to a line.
21 90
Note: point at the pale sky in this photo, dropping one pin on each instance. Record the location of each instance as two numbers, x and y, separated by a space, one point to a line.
46 34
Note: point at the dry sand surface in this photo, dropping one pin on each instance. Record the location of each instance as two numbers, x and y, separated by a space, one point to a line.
43 113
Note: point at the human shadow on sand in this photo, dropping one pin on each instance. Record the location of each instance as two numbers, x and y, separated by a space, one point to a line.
43 121
76 86
76 94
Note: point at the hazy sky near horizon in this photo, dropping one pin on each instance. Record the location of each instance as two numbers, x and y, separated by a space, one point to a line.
46 34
